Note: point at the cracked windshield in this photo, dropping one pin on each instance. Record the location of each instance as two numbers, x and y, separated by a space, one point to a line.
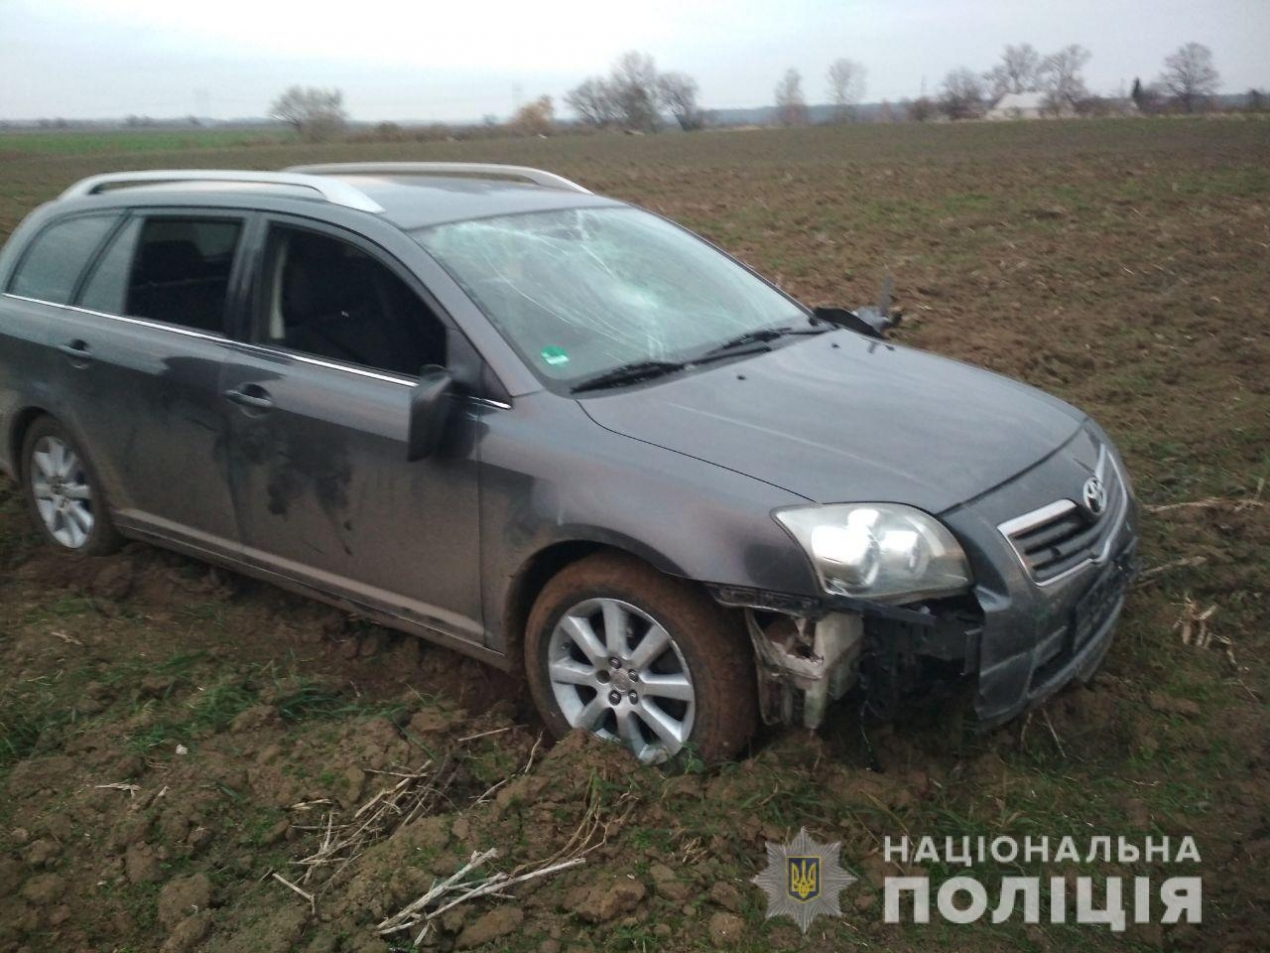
581 291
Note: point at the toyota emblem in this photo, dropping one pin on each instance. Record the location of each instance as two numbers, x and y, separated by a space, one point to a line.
1095 496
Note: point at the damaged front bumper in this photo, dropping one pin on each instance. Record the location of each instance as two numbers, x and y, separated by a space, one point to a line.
1011 684
811 652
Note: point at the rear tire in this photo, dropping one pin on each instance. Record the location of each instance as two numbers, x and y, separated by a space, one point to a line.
619 649
63 493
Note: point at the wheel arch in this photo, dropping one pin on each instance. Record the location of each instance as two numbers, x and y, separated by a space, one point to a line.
22 423
544 564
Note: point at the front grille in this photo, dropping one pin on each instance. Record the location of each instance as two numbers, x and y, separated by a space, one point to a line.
1059 538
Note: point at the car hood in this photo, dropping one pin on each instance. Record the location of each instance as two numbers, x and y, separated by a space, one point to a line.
844 418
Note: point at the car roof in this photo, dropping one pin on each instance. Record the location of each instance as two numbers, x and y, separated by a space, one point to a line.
417 201
408 195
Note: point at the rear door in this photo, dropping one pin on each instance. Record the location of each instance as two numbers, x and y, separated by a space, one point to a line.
141 356
321 399
42 283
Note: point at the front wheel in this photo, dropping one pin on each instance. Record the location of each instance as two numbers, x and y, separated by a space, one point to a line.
634 656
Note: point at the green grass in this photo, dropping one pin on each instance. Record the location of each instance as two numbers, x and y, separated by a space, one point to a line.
38 715
210 708
22 728
73 142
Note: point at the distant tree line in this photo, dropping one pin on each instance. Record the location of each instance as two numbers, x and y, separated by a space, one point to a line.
1187 84
637 97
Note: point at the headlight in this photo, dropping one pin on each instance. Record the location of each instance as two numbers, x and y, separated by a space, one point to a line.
881 551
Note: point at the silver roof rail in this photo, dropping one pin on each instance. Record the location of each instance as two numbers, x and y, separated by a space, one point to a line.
481 169
337 193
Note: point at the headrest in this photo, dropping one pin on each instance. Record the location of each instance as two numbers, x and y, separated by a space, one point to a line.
169 260
320 278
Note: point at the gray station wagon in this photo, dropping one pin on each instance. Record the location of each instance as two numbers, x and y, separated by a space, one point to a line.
558 433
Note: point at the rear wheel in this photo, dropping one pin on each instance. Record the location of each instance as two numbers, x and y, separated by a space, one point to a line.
634 656
63 493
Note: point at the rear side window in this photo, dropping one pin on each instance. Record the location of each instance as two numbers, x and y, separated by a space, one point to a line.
107 286
54 261
178 272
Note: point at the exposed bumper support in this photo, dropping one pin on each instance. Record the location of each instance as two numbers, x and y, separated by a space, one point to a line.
803 665
811 651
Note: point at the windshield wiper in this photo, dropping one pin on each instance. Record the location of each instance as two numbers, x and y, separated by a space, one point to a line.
743 343
627 374
751 342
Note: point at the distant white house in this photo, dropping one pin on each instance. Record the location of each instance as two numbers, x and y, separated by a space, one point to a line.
1022 106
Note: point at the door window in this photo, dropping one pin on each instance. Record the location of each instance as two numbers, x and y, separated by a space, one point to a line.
329 298
53 263
178 274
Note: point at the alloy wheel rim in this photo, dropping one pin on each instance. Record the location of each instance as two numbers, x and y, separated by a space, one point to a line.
616 672
63 496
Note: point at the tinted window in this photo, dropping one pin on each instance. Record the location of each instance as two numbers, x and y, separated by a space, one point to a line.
107 286
329 298
52 265
180 271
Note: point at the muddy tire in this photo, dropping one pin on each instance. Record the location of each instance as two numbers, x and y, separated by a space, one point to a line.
63 492
635 656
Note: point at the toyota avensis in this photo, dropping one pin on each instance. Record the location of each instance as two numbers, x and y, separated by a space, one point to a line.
559 434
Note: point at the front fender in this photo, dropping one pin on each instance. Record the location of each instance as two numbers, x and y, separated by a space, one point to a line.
550 476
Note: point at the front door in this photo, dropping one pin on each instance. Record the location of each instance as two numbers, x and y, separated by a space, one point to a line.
321 401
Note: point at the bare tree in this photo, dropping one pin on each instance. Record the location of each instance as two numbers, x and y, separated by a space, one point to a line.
634 86
791 107
1018 71
316 114
962 95
629 97
592 100
535 119
1190 77
846 86
678 93
920 109
1061 80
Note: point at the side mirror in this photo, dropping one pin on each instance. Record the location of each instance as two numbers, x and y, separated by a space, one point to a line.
429 411
869 320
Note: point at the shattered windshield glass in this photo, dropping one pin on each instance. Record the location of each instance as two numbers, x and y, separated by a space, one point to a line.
581 291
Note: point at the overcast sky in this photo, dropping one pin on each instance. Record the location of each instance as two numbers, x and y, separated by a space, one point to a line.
449 61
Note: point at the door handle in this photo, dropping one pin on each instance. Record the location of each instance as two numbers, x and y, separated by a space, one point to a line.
251 395
78 351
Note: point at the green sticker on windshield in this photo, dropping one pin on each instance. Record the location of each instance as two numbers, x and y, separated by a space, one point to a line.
554 355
